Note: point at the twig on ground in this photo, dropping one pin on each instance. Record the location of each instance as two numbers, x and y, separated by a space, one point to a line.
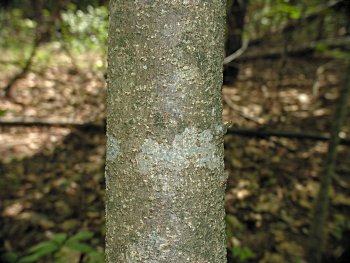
232 106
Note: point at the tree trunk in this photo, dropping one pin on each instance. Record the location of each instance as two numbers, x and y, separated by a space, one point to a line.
236 11
317 231
164 165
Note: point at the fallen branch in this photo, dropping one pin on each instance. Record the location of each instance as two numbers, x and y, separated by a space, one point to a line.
265 133
342 42
257 133
30 121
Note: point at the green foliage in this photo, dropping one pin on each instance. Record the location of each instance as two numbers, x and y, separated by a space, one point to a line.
292 11
15 29
335 53
79 30
266 16
3 112
342 224
60 248
243 254
85 30
9 257
233 222
298 260
341 55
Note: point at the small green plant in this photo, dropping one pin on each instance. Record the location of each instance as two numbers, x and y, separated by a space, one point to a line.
341 226
242 254
61 249
3 112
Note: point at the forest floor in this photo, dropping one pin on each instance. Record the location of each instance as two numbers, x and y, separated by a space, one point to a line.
52 177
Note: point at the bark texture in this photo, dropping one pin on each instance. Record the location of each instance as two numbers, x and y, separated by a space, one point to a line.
164 166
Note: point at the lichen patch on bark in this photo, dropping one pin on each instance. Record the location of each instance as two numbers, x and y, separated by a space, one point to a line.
113 148
191 147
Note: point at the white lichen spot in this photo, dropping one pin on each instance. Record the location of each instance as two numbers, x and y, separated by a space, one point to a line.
113 148
153 247
219 129
192 147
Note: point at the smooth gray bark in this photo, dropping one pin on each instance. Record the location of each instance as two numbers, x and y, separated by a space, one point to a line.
165 176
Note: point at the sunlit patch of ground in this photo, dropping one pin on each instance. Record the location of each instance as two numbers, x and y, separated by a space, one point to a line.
25 142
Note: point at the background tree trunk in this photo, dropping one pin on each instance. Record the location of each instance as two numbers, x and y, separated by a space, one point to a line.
236 11
164 166
317 235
